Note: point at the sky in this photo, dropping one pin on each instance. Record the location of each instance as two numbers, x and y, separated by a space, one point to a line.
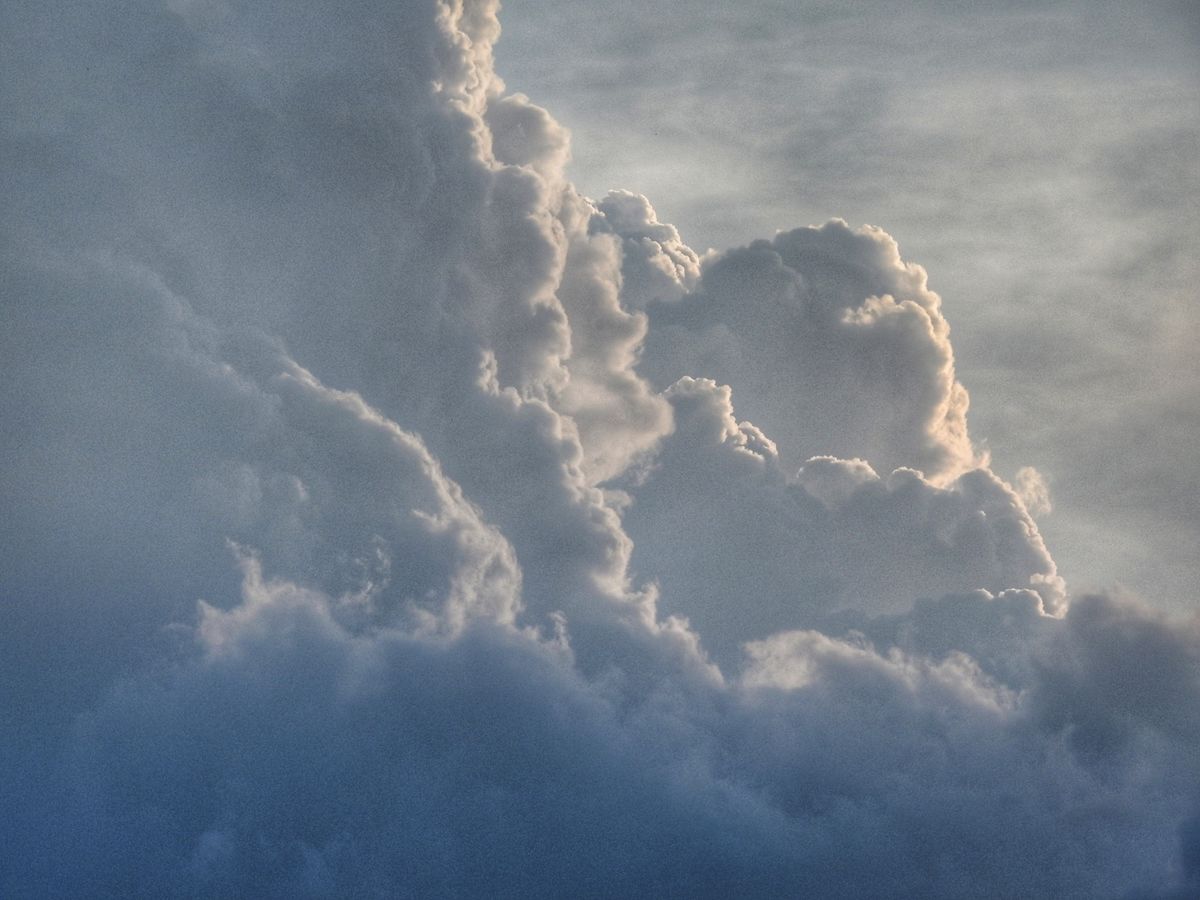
599 450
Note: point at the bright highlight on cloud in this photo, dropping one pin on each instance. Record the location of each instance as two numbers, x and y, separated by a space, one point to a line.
386 518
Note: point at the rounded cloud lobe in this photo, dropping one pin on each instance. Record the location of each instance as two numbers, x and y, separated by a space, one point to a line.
379 521
832 343
744 549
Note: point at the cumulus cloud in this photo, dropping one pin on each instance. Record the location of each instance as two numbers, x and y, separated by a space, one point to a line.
834 345
290 757
656 265
379 521
742 548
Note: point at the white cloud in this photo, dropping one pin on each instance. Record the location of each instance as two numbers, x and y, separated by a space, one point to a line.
833 344
656 265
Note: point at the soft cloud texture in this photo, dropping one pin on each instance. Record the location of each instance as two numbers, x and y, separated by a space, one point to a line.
743 549
837 344
379 521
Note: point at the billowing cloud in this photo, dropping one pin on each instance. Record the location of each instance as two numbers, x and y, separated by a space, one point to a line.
656 265
379 521
832 343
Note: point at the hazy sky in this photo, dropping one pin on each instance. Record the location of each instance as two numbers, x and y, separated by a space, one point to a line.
695 452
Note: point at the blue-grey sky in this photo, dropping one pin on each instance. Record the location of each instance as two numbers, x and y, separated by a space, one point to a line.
391 506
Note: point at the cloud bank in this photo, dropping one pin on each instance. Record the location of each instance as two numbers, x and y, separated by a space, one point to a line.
381 517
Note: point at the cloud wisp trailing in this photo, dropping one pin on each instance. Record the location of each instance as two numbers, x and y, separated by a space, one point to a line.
384 517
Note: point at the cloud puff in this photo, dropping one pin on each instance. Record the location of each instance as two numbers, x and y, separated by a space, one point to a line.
374 524
743 549
656 265
833 344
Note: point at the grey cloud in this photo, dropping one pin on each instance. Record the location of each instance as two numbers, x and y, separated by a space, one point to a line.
1119 668
619 416
381 237
742 549
656 265
394 765
345 538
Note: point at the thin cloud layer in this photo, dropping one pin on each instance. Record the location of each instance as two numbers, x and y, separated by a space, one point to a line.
379 521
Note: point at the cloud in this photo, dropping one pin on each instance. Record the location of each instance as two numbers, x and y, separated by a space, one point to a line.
161 438
1063 255
743 549
656 265
379 521
835 343
1031 487
292 757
